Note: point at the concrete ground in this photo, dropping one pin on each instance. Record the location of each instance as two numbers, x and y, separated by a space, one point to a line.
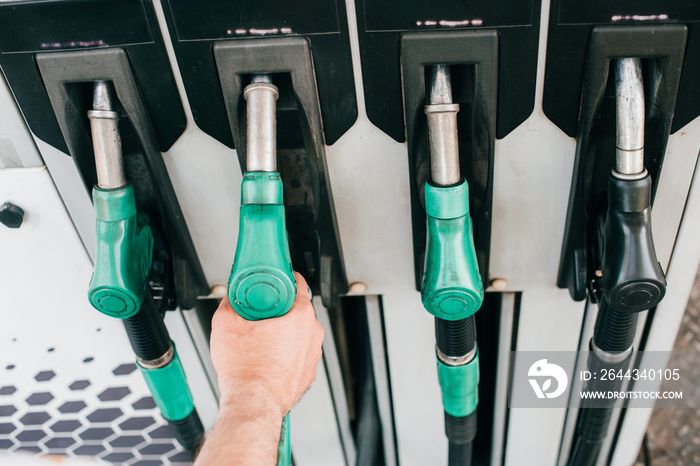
673 436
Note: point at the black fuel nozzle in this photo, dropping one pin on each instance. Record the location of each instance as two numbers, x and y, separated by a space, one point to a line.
633 280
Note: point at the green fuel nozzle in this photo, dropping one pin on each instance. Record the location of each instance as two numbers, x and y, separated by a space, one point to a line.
118 286
262 283
123 254
124 239
451 288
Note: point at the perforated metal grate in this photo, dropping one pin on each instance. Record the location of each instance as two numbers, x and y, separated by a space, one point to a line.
107 415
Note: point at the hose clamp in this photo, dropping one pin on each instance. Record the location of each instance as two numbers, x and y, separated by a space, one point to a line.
157 363
455 360
611 358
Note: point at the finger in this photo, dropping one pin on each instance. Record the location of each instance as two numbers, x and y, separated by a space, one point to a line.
225 303
225 310
302 287
319 332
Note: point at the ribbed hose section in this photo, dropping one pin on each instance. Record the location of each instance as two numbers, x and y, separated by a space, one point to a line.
591 430
614 330
460 429
455 337
146 331
189 432
460 432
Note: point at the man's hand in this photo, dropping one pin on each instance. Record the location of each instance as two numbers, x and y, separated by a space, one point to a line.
263 368
269 362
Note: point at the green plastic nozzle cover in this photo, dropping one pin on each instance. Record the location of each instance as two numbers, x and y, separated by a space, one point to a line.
262 283
452 288
123 254
460 387
168 385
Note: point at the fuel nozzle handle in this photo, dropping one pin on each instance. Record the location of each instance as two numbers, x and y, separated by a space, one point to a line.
633 280
632 277
452 288
124 240
262 283
118 287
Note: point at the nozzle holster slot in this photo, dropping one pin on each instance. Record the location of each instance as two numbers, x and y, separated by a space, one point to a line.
661 49
68 78
473 59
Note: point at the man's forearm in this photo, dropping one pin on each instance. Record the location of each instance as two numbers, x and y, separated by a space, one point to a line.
242 438
263 368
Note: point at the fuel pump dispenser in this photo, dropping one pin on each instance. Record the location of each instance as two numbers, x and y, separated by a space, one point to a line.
103 107
452 289
311 66
619 80
122 264
262 284
472 126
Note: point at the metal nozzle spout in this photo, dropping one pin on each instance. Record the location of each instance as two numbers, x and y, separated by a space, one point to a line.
629 90
106 141
442 128
261 132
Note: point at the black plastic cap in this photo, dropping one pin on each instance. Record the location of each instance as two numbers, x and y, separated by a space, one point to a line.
11 216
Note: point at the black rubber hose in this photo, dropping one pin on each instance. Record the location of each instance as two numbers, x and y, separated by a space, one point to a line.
146 331
150 340
613 333
460 432
189 432
591 430
455 337
614 330
459 454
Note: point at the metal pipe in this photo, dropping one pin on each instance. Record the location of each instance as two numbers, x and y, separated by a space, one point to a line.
261 132
442 128
107 144
629 90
